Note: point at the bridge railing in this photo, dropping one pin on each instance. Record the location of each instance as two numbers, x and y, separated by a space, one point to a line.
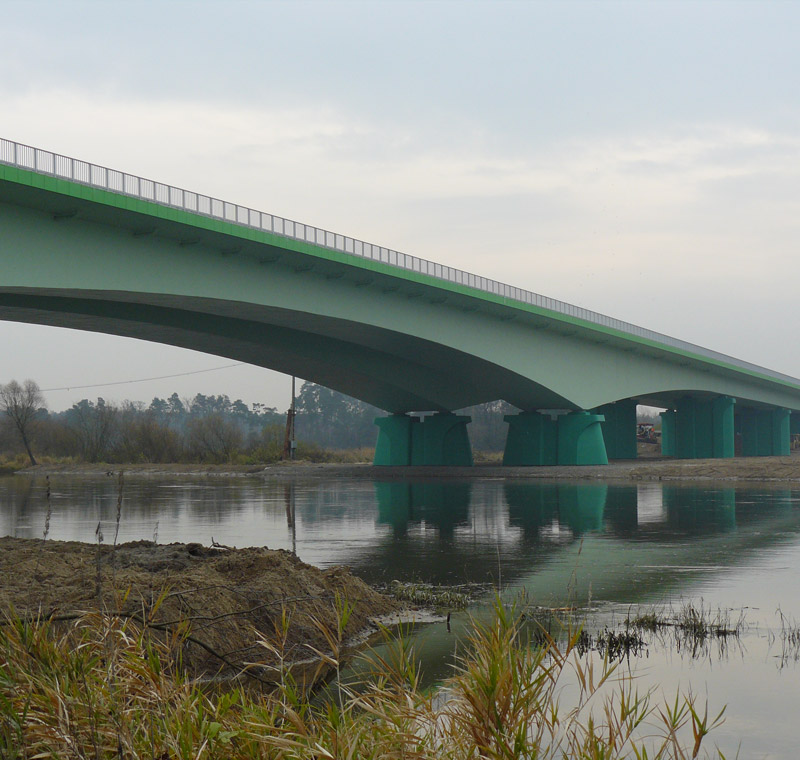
85 173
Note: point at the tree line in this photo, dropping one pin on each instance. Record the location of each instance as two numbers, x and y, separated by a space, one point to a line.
203 429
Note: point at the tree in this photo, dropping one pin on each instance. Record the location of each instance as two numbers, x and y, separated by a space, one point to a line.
23 404
214 438
95 427
145 436
331 419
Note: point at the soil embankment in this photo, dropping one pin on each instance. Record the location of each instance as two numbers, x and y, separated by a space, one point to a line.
227 599
645 468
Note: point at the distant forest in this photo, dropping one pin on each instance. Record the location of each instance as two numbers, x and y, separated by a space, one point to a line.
206 429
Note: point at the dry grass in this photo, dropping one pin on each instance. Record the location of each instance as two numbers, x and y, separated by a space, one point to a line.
228 596
11 463
104 689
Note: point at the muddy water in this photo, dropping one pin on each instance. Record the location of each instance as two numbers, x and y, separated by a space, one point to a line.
606 548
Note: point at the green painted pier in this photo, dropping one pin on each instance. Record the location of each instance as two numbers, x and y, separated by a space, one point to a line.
92 248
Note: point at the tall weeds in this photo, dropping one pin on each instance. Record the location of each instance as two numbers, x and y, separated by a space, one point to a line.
102 688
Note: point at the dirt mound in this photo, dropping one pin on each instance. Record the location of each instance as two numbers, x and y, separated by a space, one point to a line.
226 598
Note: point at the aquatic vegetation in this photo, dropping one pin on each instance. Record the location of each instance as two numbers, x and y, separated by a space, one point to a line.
694 619
430 595
618 645
789 638
103 688
692 628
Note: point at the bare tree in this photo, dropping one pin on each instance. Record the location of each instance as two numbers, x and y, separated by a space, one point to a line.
213 438
22 403
95 426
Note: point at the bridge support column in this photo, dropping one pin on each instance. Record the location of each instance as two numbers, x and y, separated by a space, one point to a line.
537 439
723 433
437 440
580 439
532 440
765 432
704 428
668 433
781 432
619 428
393 446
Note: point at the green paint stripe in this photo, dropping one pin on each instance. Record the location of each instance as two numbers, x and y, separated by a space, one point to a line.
181 216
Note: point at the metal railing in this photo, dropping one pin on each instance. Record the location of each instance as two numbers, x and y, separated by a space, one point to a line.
85 173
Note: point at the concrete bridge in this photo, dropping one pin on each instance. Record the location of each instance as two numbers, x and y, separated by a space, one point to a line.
92 248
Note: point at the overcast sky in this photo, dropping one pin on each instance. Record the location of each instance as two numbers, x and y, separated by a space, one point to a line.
637 158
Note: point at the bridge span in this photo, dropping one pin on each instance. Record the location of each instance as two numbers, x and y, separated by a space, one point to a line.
92 248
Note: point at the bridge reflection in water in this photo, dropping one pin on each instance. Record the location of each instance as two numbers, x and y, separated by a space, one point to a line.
544 510
480 531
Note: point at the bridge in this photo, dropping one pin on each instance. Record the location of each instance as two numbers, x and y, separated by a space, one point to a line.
92 248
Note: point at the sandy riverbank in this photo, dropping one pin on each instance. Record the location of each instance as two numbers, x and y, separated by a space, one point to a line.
651 468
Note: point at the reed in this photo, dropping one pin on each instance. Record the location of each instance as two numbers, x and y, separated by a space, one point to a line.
104 688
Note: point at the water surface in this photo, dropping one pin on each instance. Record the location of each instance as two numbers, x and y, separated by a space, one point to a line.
607 548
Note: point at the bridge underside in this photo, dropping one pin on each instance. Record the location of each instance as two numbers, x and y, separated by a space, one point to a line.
392 371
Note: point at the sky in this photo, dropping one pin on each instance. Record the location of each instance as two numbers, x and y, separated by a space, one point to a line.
641 159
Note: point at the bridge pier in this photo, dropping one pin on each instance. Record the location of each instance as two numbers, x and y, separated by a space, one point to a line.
765 432
538 439
619 428
440 439
699 428
668 433
532 439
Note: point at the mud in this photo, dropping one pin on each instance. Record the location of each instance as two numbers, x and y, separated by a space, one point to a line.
226 600
650 466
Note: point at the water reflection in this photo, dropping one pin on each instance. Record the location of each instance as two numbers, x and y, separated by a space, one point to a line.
442 505
571 509
446 532
641 538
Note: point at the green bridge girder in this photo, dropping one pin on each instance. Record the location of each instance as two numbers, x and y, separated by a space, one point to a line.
75 256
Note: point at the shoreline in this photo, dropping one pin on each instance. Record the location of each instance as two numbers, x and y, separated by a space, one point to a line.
223 601
760 469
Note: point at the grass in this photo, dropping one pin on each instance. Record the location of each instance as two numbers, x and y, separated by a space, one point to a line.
101 688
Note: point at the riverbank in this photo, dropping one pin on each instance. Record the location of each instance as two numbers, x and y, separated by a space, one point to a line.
645 469
225 600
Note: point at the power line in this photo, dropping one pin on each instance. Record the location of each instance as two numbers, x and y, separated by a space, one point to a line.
142 380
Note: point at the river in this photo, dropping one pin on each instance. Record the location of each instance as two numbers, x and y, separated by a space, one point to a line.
606 548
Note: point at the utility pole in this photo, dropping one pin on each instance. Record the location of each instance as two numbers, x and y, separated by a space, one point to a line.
289 443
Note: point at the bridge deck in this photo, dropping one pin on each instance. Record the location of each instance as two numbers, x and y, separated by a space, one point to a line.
74 177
